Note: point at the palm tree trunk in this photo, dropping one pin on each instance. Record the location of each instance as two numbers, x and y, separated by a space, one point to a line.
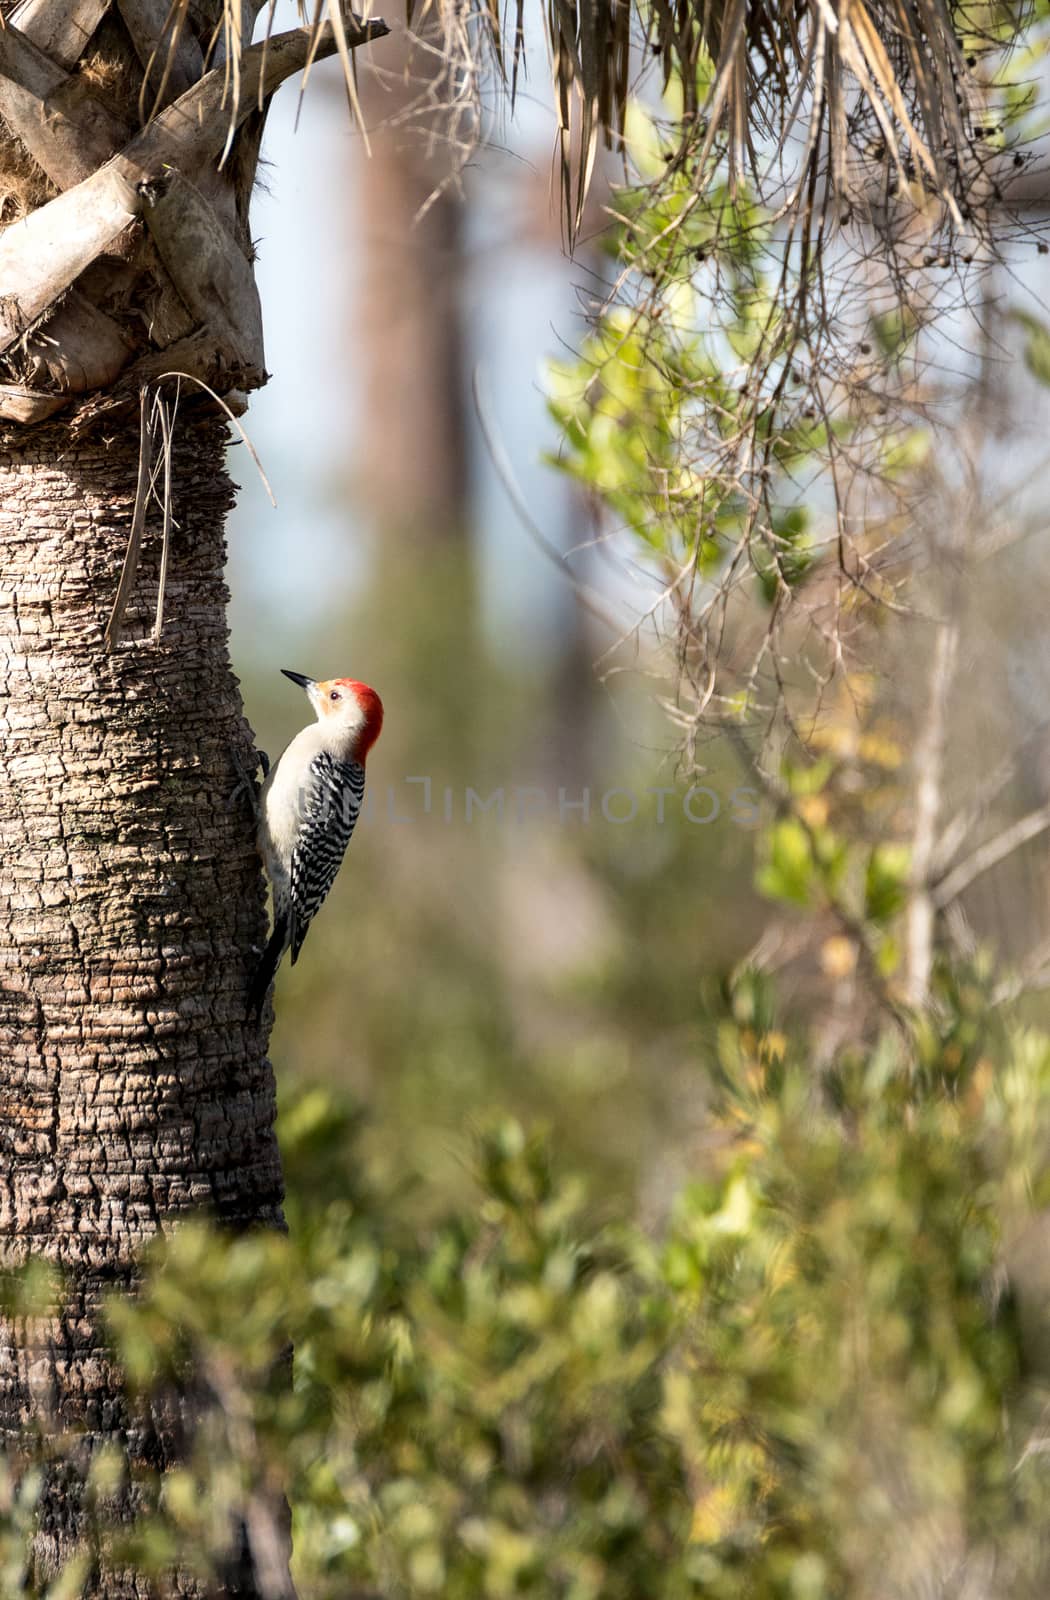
133 1089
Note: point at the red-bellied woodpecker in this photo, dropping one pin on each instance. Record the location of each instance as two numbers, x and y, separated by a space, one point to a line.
309 804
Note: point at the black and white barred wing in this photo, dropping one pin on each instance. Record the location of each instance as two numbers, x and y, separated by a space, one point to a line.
330 808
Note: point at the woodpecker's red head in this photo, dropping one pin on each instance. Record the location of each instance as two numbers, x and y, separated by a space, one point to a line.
350 710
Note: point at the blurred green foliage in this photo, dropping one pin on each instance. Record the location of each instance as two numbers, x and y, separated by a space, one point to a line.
821 1377
699 355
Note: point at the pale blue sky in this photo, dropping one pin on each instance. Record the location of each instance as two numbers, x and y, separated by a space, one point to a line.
304 557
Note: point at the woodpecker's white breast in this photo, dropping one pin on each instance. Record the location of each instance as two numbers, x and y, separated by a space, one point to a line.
283 798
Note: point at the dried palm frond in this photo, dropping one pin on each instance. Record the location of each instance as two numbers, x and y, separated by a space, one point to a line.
841 78
842 75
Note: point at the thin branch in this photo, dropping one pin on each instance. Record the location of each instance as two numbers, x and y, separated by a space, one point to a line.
929 764
166 421
191 377
1033 975
588 600
989 855
967 818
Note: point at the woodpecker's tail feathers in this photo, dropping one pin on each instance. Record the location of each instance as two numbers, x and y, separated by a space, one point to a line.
297 931
268 964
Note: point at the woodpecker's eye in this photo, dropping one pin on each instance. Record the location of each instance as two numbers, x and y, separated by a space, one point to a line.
335 695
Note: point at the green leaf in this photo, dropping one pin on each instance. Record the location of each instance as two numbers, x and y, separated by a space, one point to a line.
885 881
789 873
1037 345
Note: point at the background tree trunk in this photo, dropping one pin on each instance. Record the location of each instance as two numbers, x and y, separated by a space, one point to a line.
132 1087
415 429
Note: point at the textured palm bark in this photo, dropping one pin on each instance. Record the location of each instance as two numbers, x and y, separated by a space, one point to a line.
133 1088
124 244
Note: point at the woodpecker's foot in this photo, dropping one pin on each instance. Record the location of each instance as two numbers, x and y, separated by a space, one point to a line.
246 782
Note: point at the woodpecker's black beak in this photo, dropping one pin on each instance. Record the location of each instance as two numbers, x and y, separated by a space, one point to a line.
300 678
